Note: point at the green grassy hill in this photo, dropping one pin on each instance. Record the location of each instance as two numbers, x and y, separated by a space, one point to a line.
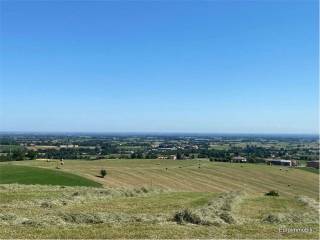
34 175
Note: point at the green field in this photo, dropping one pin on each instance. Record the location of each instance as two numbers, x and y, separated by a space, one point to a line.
163 199
33 175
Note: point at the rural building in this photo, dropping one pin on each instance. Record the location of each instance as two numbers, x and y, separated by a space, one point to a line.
239 159
173 157
314 164
282 162
69 146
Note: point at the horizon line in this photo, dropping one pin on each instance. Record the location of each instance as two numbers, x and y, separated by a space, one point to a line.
156 133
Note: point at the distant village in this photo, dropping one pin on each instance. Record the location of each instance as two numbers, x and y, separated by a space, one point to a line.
290 151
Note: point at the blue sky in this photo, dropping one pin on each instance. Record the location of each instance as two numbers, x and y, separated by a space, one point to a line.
218 67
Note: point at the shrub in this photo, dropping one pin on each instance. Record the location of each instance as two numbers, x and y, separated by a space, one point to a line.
272 193
103 172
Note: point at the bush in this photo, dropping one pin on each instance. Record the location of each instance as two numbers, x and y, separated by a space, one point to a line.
272 193
103 172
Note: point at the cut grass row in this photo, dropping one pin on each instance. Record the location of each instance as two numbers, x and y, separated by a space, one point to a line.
79 204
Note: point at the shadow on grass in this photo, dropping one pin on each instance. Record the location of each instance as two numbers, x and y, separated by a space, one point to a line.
99 176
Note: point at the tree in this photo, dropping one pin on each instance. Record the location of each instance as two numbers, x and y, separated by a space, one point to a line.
139 155
17 154
103 172
32 154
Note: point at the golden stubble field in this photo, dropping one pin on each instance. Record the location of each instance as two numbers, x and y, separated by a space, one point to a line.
187 176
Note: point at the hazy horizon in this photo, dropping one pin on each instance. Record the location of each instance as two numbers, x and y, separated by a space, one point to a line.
222 67
110 133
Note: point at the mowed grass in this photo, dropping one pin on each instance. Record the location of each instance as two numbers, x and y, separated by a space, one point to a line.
140 199
164 203
310 169
28 217
34 175
185 175
156 231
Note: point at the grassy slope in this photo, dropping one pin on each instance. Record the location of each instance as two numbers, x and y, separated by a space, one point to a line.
186 176
33 175
310 169
192 187
250 212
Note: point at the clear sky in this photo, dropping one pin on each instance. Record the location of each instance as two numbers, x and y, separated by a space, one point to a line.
218 67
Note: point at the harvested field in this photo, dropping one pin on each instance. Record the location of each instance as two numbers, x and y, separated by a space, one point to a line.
186 176
141 199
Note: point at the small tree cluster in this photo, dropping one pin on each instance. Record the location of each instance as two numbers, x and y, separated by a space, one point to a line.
103 172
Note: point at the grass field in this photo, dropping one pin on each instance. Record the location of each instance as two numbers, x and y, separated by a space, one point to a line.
187 176
310 169
163 199
33 175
